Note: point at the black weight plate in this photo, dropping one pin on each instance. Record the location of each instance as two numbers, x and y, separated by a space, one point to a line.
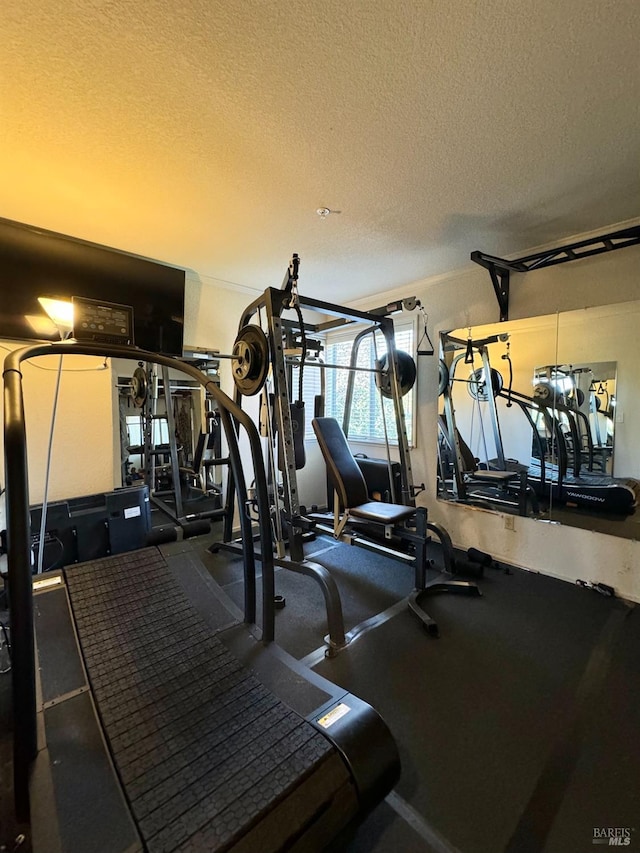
579 396
443 377
250 363
138 384
477 386
406 374
542 392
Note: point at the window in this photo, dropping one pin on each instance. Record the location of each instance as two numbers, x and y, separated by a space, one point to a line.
366 422
135 428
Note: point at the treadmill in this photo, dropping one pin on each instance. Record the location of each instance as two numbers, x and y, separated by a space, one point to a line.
566 483
151 715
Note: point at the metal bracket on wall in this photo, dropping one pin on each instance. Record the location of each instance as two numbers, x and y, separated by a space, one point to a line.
500 268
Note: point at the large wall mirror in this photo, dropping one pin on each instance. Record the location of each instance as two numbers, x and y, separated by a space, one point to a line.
541 417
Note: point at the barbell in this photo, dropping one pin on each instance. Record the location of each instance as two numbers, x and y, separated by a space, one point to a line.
250 366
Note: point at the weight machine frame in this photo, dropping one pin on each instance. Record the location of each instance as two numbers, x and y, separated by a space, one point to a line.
176 511
495 478
271 305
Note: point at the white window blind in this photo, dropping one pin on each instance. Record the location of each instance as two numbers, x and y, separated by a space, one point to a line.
366 422
136 431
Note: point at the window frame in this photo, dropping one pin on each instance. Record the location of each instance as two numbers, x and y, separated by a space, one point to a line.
347 336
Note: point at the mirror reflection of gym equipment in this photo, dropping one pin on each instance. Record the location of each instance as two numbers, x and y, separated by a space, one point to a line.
585 397
167 425
557 420
489 478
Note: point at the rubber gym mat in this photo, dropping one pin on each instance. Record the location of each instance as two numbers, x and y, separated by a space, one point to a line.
368 583
476 713
203 749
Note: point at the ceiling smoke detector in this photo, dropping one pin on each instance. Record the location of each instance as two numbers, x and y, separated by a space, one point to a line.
323 212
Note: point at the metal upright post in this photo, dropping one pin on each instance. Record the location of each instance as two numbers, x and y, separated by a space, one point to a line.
173 450
408 498
274 306
459 485
23 671
493 409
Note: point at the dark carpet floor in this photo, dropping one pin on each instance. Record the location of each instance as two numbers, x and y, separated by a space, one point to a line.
517 729
368 584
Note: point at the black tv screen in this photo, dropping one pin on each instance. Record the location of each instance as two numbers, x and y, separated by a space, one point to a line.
35 262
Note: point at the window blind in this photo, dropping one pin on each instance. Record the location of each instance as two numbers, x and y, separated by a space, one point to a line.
366 422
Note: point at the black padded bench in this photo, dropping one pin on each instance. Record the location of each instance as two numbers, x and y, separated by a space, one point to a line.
407 524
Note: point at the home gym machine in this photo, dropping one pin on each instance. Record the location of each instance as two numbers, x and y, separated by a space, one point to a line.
497 481
181 491
261 355
558 468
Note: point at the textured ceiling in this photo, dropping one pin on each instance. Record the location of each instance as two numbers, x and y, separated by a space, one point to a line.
206 134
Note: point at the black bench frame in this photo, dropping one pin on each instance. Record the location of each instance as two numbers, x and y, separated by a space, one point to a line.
357 520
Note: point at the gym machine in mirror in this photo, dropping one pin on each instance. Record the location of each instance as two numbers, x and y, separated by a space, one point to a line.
561 412
574 383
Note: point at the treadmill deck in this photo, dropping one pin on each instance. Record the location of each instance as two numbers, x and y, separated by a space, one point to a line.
203 750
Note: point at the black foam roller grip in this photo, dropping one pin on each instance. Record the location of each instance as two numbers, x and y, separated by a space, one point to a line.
296 411
161 535
195 528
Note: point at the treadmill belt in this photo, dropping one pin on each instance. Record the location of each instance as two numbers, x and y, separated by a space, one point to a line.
204 751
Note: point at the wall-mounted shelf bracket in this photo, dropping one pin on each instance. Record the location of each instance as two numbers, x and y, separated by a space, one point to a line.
500 268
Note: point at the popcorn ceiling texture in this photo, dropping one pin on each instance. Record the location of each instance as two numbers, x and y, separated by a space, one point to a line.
206 134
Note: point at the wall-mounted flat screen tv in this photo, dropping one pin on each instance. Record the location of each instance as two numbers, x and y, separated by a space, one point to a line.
35 262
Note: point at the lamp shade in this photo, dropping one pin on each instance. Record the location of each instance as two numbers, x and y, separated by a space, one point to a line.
61 313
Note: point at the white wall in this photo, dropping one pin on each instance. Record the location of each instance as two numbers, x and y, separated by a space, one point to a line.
78 466
466 298
212 314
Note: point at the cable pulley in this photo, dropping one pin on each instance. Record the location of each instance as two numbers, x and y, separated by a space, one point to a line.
139 386
250 360
406 374
477 386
